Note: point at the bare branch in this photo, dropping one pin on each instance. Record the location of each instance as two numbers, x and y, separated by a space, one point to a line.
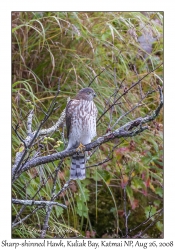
132 86
108 158
156 214
49 209
28 142
26 217
121 132
125 212
133 108
55 126
126 130
20 138
66 185
29 123
37 203
45 227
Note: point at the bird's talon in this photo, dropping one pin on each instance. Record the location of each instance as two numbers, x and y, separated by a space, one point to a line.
80 147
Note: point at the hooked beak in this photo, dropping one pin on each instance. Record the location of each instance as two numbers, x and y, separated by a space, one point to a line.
94 94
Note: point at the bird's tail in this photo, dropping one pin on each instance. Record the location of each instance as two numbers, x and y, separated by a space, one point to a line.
78 168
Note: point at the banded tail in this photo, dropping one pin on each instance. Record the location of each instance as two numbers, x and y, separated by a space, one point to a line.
78 168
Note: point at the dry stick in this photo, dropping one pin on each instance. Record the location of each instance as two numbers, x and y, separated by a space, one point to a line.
29 123
18 215
39 189
132 86
115 92
152 223
26 217
31 142
18 167
49 204
125 211
97 76
140 85
49 209
124 204
45 132
141 233
109 158
20 138
24 206
136 106
51 107
45 227
66 185
147 220
37 203
115 96
42 132
17 125
56 125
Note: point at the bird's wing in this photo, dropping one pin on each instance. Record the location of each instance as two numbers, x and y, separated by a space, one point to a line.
71 106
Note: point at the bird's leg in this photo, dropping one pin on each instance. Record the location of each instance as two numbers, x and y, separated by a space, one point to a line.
80 147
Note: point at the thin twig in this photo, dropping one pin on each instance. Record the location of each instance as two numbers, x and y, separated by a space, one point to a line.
20 138
133 108
147 220
108 158
132 86
125 212
26 217
49 209
66 186
97 76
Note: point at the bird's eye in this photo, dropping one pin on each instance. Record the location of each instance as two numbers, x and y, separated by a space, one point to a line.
89 92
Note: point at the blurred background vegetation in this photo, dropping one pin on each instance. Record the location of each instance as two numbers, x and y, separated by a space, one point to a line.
77 46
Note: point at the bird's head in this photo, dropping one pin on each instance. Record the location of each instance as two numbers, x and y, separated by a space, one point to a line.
86 93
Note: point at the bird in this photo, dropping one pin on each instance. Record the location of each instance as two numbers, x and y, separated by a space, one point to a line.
81 115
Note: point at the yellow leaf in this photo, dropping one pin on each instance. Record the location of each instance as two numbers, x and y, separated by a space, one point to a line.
152 187
21 149
133 174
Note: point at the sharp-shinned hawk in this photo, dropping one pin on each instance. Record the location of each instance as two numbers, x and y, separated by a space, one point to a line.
81 114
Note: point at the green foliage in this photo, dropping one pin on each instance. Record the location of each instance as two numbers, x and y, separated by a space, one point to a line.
77 46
